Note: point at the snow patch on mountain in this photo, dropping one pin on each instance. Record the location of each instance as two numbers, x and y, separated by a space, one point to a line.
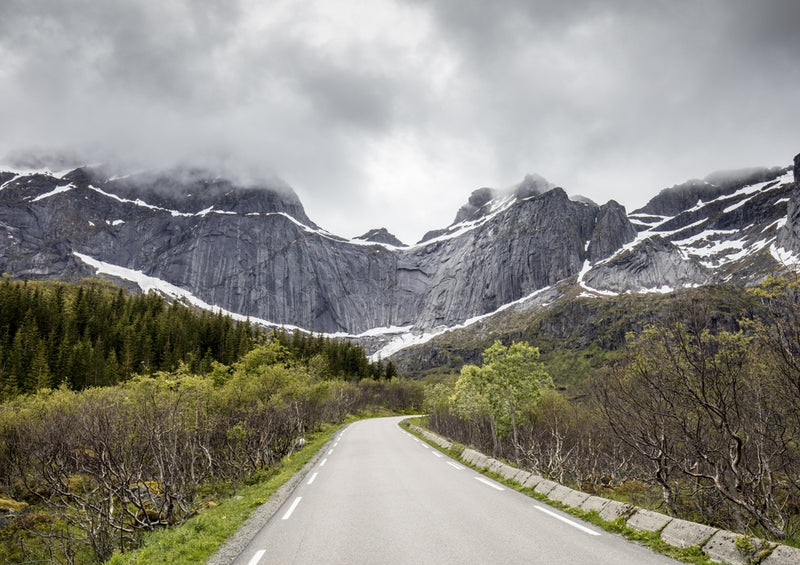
56 190
785 257
411 337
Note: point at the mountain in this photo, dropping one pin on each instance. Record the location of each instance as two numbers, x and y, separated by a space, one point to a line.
250 249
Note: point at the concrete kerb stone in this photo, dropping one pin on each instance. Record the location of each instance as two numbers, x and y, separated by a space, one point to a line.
575 499
469 455
481 461
614 509
545 486
441 442
648 521
508 472
682 533
783 555
722 547
532 481
559 493
495 465
432 437
594 503
521 477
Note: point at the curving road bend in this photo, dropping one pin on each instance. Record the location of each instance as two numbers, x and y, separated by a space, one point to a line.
380 495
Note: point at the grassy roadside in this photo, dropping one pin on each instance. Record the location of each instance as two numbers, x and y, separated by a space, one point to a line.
195 541
650 539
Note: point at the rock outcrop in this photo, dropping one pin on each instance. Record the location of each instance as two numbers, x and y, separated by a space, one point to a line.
789 234
612 230
381 235
655 264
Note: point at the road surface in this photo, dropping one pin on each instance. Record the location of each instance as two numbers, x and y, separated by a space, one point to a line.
380 495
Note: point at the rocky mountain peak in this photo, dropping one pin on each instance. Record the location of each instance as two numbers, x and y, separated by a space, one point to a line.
485 200
474 208
788 237
381 235
654 264
612 230
674 200
192 190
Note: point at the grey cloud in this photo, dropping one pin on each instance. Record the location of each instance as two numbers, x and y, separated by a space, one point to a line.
600 85
609 98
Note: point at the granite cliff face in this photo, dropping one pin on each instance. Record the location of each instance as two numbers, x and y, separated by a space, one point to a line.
789 234
252 250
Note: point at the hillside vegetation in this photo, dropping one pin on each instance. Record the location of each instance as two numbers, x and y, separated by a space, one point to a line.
575 336
697 415
88 470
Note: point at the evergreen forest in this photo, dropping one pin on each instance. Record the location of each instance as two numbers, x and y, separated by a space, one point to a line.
95 334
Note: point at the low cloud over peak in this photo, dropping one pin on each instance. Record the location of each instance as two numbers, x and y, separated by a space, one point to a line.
369 110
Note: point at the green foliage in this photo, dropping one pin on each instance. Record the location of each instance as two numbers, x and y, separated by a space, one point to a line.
93 334
508 386
108 464
502 394
333 358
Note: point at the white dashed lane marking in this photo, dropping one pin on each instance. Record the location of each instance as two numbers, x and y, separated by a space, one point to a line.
489 483
568 521
257 557
292 507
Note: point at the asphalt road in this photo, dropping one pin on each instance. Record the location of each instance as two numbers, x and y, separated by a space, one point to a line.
379 495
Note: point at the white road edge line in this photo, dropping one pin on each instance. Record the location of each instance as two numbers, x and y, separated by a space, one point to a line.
490 483
455 466
330 451
323 462
311 480
568 521
436 453
292 507
257 557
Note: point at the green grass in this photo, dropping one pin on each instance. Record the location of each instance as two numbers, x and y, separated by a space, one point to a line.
200 537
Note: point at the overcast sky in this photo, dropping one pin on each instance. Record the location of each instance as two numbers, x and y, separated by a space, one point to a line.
383 113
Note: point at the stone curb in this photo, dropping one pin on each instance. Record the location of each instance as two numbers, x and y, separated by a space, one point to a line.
682 533
718 545
648 521
783 555
593 504
722 547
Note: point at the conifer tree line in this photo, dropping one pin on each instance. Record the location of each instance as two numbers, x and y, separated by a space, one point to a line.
96 334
